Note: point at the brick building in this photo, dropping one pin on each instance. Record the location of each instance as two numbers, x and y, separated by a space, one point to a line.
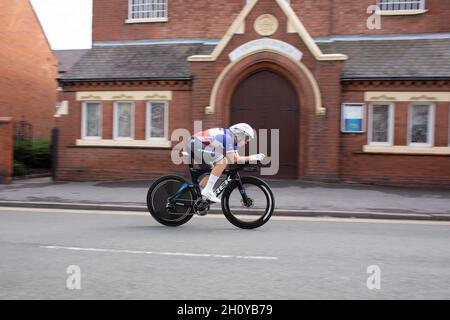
353 102
28 69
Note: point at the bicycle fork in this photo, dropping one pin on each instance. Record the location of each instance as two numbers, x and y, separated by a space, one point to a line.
245 199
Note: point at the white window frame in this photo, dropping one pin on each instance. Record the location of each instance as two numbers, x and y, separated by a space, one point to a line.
143 20
431 124
149 117
402 10
391 124
116 121
83 120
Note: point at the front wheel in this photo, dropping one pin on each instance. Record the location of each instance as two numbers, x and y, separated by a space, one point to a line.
249 205
158 196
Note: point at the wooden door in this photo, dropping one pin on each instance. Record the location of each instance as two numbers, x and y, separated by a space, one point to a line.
267 100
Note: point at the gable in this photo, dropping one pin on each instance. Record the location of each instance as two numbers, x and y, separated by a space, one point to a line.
294 24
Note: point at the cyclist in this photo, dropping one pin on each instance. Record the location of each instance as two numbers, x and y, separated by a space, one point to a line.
218 147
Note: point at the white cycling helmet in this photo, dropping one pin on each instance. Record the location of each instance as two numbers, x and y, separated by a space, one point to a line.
242 130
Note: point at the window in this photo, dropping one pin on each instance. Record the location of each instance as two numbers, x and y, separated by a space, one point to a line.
421 125
157 120
123 121
91 120
381 124
401 5
150 10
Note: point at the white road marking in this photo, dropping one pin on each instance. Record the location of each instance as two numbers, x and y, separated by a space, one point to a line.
220 216
202 255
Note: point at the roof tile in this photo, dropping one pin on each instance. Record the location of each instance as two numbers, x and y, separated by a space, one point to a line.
367 59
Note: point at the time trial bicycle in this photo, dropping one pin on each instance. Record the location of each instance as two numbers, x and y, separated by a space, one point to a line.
247 201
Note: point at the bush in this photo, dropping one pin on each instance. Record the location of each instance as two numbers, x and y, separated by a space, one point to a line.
41 154
22 150
19 169
33 153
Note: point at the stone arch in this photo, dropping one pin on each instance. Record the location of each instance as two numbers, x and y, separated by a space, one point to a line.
303 80
306 87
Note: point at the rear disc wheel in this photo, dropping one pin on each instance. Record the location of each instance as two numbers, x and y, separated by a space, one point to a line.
157 201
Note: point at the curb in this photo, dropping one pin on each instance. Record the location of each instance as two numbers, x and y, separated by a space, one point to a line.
278 212
32 176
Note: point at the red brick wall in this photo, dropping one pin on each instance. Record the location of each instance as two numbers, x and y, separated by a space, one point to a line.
395 169
350 17
6 147
28 68
187 19
319 134
325 154
211 19
94 163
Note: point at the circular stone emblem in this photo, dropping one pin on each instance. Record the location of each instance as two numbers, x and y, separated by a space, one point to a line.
266 25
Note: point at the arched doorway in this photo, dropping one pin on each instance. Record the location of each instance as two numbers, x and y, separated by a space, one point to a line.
267 100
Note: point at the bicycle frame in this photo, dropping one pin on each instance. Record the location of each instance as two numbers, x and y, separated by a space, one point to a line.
232 174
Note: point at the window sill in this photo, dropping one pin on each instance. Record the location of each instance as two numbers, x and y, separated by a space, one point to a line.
124 143
402 12
149 20
407 150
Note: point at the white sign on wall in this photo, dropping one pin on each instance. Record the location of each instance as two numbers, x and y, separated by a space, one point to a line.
353 118
266 44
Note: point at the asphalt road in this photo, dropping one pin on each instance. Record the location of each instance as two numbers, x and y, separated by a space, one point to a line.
124 255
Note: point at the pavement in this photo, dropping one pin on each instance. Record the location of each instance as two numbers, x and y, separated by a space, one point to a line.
293 198
80 254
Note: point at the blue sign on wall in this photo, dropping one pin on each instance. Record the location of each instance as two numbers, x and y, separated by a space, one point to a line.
353 117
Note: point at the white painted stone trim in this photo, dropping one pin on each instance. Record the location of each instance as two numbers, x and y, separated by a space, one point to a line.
320 110
402 12
266 44
389 96
123 95
297 25
149 20
407 150
124 143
